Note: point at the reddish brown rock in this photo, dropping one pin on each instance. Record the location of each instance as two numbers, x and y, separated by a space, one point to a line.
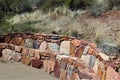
92 45
111 74
110 64
53 56
76 42
16 41
79 51
99 72
72 50
50 66
36 63
45 65
85 43
25 51
22 43
37 54
57 69
2 45
7 38
91 51
63 74
26 60
64 38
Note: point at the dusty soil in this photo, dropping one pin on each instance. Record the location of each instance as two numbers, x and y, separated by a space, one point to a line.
10 70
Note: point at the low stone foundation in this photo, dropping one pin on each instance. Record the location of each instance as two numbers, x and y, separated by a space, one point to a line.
67 58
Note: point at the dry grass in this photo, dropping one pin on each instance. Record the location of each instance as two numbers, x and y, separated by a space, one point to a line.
61 20
67 22
100 33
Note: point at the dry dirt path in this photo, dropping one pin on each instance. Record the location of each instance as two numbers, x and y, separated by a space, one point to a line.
10 70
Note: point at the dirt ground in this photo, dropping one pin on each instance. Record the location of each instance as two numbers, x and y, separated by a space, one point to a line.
10 70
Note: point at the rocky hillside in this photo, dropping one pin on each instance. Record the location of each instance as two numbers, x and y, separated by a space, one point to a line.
104 30
97 22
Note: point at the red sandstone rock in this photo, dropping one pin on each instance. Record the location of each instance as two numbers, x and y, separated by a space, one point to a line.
2 45
26 60
25 51
72 50
36 63
76 42
16 41
7 38
111 74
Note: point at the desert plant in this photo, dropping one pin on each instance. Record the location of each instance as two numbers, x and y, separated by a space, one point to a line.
99 6
79 4
100 33
1 17
77 35
115 3
5 27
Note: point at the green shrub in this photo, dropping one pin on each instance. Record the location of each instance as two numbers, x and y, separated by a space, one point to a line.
115 3
98 7
72 4
77 35
1 17
100 34
51 4
5 27
79 4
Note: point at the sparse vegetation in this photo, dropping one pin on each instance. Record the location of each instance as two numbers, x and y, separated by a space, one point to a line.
77 35
11 7
100 33
66 17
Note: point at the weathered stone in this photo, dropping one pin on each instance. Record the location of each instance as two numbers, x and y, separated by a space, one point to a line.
43 46
18 48
7 54
26 60
53 47
65 47
36 63
25 51
16 56
76 42
2 45
29 43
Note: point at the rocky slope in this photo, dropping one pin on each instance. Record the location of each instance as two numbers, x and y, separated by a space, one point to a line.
103 30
